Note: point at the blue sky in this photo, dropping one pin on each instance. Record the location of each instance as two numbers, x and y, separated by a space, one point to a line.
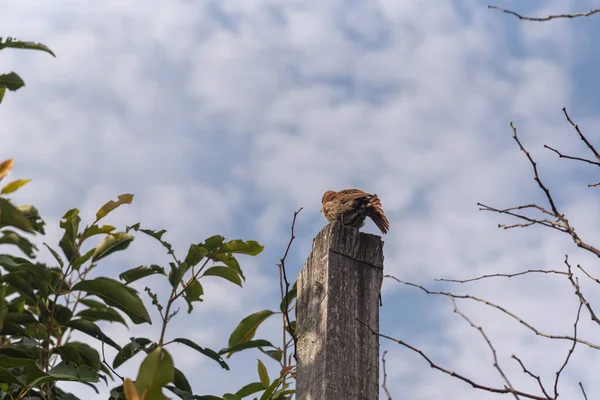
226 116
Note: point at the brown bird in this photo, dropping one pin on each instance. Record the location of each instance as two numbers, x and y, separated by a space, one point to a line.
352 206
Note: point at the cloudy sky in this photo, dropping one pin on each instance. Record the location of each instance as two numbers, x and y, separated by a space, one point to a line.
226 116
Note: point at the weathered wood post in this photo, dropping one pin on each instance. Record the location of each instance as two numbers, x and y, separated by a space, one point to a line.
337 356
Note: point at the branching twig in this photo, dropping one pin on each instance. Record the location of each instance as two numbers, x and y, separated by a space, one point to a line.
283 275
571 350
500 308
505 390
530 271
561 223
489 343
549 17
528 372
578 293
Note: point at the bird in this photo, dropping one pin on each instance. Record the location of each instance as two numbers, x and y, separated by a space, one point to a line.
352 206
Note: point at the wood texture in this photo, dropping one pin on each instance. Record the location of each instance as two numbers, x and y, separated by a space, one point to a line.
338 357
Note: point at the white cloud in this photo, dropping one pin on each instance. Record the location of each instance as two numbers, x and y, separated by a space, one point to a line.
224 117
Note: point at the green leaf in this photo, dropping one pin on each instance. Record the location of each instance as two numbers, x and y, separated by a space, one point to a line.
11 329
67 371
193 292
246 329
133 274
93 330
225 273
113 242
14 185
115 294
181 381
33 216
263 374
230 261
55 254
96 230
102 314
269 391
251 247
111 205
62 314
11 81
88 355
5 167
195 254
20 318
70 224
79 261
92 303
2 92
79 353
18 44
287 300
131 349
250 388
156 371
251 344
7 377
12 216
229 396
276 354
213 243
206 351
12 237
19 281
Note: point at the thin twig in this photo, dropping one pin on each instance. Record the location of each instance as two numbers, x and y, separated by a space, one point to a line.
383 385
287 283
571 350
576 127
498 307
530 271
579 294
489 343
549 17
583 391
536 377
560 155
433 365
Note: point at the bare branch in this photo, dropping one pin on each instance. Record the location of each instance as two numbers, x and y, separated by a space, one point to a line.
489 343
283 274
530 221
571 350
500 308
579 294
505 390
528 372
383 385
572 157
530 271
581 135
561 224
549 17
588 275
583 391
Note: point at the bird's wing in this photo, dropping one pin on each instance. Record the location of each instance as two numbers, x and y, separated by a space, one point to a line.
351 194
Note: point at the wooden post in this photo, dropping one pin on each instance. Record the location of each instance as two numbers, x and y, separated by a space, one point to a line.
338 357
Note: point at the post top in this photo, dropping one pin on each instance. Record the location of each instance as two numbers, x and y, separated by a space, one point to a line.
350 242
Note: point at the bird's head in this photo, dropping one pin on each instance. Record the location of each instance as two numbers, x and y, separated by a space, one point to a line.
327 196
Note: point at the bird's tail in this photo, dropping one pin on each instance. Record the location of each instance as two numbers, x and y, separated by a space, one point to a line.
375 212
